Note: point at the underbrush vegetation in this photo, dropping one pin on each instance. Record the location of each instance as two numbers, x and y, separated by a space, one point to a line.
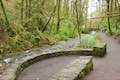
90 40
24 39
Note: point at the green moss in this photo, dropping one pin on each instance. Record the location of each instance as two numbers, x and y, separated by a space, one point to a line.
80 76
86 70
100 50
89 66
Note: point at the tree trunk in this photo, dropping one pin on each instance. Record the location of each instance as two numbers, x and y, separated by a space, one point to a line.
22 12
8 29
108 10
58 14
77 18
4 12
27 9
45 27
29 12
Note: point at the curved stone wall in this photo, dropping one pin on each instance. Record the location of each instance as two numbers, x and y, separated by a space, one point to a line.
13 71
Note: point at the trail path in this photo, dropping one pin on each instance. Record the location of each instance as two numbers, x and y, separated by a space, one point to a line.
44 70
108 67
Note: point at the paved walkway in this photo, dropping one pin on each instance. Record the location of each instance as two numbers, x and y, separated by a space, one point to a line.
108 67
44 70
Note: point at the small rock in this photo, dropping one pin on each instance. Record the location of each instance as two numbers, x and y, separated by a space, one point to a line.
0 65
27 51
9 60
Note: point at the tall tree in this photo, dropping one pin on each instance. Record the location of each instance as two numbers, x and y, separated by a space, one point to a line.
108 13
58 14
22 11
52 14
8 29
30 6
77 17
4 12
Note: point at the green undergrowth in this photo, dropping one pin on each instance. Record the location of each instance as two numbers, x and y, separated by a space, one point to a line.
90 40
25 39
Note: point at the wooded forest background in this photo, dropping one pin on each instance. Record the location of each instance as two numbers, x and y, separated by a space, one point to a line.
26 24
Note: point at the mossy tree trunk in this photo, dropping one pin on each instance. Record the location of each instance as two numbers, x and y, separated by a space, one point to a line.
30 6
108 13
9 31
22 12
77 18
4 12
52 15
58 14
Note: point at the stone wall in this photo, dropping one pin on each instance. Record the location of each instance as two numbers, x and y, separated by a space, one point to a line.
13 71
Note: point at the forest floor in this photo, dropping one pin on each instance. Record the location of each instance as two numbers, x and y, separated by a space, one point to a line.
108 67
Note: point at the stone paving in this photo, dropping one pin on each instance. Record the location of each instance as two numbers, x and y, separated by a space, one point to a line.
76 70
63 66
